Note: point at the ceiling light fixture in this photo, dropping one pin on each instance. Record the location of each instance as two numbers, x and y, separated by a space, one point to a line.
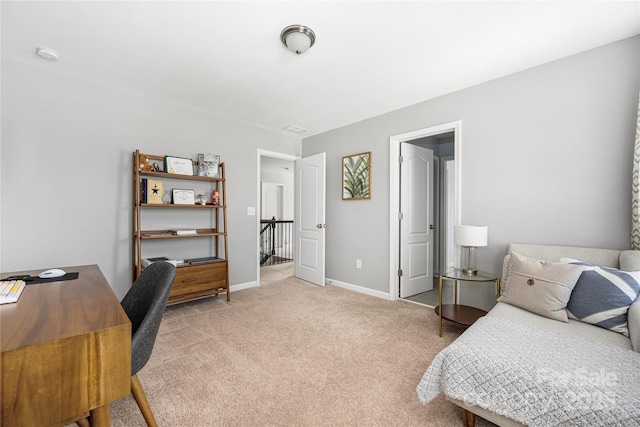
46 53
298 38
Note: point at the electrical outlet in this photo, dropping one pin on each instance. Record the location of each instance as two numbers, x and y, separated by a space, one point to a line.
358 263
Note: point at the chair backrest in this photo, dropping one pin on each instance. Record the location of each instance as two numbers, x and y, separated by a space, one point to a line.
144 304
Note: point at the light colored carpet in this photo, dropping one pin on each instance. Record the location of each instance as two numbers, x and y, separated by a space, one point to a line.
290 353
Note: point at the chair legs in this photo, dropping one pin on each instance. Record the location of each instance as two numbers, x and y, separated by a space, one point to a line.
141 400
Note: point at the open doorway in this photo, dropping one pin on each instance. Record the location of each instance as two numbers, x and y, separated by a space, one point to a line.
275 216
424 208
437 192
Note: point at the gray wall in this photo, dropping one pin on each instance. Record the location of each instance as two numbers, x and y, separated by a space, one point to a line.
546 158
67 170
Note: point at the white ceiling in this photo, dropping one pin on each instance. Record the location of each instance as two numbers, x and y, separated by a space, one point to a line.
225 57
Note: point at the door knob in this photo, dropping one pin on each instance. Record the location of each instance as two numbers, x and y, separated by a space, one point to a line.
432 227
319 225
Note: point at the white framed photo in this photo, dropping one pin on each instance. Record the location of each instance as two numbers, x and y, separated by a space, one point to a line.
183 197
178 165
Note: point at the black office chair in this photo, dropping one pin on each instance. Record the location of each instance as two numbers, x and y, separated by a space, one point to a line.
144 304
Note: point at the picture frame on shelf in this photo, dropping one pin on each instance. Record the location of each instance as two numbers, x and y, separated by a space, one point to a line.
209 165
153 189
356 176
156 166
183 197
148 164
178 165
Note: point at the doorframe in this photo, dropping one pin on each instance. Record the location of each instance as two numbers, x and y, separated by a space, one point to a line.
394 190
265 153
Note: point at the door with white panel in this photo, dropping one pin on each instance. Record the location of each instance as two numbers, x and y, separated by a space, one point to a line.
416 223
310 218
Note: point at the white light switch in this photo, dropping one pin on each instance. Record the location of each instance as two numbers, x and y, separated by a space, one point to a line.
251 210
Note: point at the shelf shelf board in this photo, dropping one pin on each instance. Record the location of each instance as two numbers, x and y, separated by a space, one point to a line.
216 261
168 175
166 234
171 205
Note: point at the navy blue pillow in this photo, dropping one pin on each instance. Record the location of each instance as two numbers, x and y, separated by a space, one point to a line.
602 296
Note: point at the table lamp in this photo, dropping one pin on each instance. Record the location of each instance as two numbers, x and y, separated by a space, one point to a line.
470 238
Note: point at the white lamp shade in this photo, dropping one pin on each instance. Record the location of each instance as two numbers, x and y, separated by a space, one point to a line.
298 42
468 235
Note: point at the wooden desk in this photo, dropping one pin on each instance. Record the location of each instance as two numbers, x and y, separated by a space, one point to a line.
66 351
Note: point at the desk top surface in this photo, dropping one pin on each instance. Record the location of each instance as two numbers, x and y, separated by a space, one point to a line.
56 310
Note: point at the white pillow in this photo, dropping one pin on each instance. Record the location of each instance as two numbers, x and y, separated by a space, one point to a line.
542 287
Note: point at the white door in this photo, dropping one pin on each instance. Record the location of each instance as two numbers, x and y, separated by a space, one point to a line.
271 201
416 206
310 218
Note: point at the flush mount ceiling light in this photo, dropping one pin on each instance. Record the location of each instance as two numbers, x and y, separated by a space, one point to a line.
298 38
46 53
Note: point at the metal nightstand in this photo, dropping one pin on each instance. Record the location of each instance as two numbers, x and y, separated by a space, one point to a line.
458 313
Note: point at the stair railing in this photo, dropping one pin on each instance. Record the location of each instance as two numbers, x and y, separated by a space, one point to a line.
276 241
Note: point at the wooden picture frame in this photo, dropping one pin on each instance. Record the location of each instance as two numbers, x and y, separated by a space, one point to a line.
356 176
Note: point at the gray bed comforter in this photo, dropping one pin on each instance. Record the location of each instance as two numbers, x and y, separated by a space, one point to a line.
536 377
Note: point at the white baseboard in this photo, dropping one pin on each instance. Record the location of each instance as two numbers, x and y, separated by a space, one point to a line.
356 288
348 286
242 286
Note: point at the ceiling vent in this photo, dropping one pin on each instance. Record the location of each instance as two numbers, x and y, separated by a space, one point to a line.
294 129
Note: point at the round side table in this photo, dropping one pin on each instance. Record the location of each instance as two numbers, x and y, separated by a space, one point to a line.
458 313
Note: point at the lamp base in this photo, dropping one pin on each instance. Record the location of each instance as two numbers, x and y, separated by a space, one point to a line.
469 261
470 272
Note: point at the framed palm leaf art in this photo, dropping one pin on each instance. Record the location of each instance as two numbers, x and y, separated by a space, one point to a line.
356 176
